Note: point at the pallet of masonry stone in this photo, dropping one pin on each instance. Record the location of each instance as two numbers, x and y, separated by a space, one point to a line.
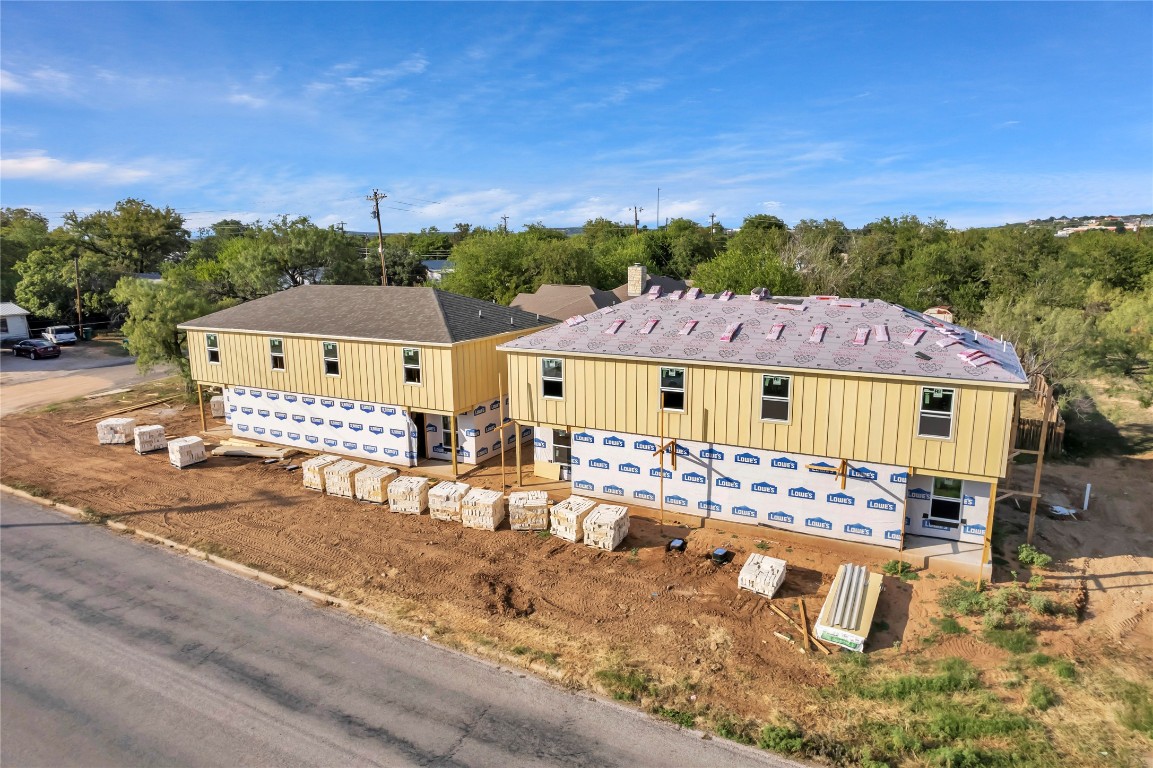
408 495
340 478
217 406
568 517
528 511
185 451
115 431
606 526
445 498
483 509
149 438
372 483
762 574
312 470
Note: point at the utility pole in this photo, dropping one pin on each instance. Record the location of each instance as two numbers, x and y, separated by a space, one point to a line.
376 197
340 226
79 315
712 221
637 220
504 224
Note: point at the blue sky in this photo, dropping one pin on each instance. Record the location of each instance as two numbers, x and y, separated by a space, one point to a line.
978 113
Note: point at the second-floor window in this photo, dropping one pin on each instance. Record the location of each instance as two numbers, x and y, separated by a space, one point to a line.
776 396
331 358
411 365
673 389
213 348
276 354
936 415
552 378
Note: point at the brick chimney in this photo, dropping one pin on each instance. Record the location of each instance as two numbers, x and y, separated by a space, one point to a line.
638 280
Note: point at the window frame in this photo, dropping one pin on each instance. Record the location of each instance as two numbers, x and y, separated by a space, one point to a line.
545 379
273 355
325 359
407 367
212 348
682 391
787 400
562 446
3 325
957 501
922 412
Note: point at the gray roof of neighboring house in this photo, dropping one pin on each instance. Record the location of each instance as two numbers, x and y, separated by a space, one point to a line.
785 332
8 309
437 265
391 313
561 301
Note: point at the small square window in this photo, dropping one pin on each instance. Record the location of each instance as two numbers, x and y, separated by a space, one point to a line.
672 392
552 378
213 347
276 354
775 397
331 359
411 359
936 416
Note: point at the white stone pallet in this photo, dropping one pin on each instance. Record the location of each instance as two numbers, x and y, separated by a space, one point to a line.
606 526
372 484
149 438
216 404
483 509
312 470
408 495
185 451
762 574
528 510
340 478
115 431
445 498
568 517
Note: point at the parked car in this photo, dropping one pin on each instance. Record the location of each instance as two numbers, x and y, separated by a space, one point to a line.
36 348
60 334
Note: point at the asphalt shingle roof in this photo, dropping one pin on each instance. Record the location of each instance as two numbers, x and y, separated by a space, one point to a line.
821 333
389 313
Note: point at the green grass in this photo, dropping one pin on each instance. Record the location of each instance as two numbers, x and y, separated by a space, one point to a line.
900 569
1041 697
1040 660
1136 708
947 625
1031 556
962 598
729 727
1019 640
625 685
953 675
543 535
29 488
681 717
1064 669
787 740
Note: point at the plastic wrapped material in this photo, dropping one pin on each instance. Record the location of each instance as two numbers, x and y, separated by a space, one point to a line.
606 526
568 517
312 470
217 406
445 498
528 511
372 483
340 478
408 495
762 574
184 451
482 509
847 615
115 431
149 438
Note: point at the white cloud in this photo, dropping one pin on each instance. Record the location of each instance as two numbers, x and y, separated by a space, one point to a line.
247 100
45 168
9 83
347 76
37 81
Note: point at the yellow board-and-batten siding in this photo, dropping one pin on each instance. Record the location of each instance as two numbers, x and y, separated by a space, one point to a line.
860 417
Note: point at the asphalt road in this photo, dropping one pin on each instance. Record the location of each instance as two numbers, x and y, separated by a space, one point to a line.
119 653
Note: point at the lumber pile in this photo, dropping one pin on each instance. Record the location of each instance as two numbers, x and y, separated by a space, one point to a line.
149 438
253 451
762 574
185 451
217 406
340 478
606 526
483 509
568 517
444 500
372 483
116 431
528 510
408 495
312 470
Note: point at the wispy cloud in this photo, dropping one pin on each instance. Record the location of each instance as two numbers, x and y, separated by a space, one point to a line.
350 77
247 100
44 168
39 80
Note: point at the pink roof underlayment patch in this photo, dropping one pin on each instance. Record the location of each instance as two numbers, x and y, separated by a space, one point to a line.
782 332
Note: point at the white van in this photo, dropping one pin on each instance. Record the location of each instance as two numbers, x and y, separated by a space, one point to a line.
60 334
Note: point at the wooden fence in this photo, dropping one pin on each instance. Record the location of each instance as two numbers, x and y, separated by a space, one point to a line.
1029 435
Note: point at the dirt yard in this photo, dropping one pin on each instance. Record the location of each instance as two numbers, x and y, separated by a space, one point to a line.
669 630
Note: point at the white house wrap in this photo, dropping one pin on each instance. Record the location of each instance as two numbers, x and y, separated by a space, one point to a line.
762 574
149 438
568 517
528 511
606 526
372 483
184 451
115 431
482 509
445 498
408 495
340 478
312 470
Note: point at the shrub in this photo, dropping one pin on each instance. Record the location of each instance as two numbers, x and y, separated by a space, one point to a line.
949 626
1042 605
1065 670
679 716
1029 555
728 727
963 598
1041 697
1040 660
1036 581
1019 640
779 738
900 569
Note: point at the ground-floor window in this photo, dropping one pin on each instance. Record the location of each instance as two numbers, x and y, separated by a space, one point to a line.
561 446
946 503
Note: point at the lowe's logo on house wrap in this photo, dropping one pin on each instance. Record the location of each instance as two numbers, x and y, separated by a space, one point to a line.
255 392
489 428
644 445
598 464
818 522
367 408
388 411
743 511
899 477
712 453
482 451
613 490
258 430
538 443
330 442
299 418
312 439
728 482
694 477
631 469
308 400
368 448
584 485
764 487
893 535
471 432
276 433
355 427
349 445
438 448
645 495
526 432
680 450
290 398
511 439
583 437
410 454
264 414
496 444
679 501
862 473
802 493
375 430
974 530
431 428
495 405
934 526
391 452
783 462
575 461
667 474
317 421
841 498
478 410
969 501
273 396
857 529
293 435
247 411
232 409
747 458
238 391
709 506
335 424
506 420
281 416
882 504
613 441
822 467
781 517
347 405
328 403
396 432
919 493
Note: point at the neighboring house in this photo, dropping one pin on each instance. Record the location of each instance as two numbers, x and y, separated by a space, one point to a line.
394 374
561 301
437 269
850 419
13 323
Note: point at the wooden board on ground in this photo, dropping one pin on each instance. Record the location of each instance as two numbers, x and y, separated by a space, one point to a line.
254 452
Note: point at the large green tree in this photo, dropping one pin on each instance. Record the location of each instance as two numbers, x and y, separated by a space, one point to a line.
22 231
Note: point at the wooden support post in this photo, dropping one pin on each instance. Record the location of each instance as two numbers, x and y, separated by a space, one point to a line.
988 543
452 426
804 622
519 472
661 489
1046 402
843 471
905 509
200 402
503 445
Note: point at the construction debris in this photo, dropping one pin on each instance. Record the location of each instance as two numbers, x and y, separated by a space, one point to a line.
444 500
483 509
372 484
115 431
606 526
528 511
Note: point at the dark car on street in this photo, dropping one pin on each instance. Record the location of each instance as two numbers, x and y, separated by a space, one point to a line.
36 348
